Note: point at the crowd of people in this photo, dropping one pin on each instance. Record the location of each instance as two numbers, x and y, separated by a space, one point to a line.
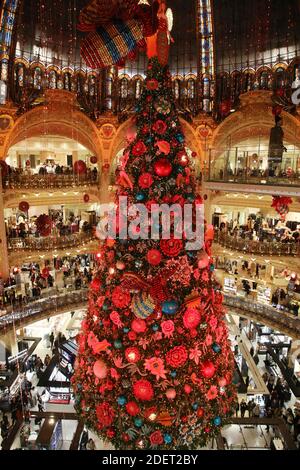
49 168
60 228
74 272
262 229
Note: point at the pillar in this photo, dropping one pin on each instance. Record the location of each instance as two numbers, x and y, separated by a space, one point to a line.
4 263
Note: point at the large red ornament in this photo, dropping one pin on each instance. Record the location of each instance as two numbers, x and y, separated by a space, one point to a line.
208 369
162 167
79 167
24 206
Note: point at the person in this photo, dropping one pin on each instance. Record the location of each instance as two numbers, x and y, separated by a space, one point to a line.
243 407
237 408
90 445
251 406
84 440
256 411
51 338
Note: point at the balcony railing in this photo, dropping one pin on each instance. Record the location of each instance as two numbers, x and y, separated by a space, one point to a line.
258 247
49 243
244 166
46 307
48 181
280 320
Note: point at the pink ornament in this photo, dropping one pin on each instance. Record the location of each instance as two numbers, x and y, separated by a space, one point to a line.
203 260
100 369
138 325
191 318
187 389
154 257
208 369
222 382
171 393
120 265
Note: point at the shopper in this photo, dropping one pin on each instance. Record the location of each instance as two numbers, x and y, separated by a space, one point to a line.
243 407
90 445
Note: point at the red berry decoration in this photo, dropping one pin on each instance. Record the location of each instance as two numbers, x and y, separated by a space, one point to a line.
163 167
94 159
86 198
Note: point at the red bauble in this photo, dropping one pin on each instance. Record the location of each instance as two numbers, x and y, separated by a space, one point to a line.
86 198
200 412
194 154
154 257
132 408
80 167
143 390
163 167
94 159
96 284
208 369
24 206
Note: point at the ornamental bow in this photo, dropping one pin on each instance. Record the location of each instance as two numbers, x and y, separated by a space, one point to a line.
156 287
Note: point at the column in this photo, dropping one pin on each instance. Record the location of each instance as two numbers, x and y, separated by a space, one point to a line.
4 263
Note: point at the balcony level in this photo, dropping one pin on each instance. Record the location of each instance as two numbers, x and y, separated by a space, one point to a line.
245 169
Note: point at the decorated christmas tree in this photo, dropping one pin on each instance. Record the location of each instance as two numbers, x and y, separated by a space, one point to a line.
154 368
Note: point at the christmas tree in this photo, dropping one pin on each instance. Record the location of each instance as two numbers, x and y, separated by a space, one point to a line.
155 367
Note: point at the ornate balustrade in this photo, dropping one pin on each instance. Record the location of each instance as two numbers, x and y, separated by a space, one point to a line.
44 308
281 321
49 243
258 247
48 181
63 301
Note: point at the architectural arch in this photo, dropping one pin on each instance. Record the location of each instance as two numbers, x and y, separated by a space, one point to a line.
58 116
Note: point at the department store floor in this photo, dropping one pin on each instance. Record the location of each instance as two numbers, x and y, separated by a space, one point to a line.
234 436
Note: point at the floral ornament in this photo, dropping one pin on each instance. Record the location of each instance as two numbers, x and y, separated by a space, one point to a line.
171 247
143 342
205 276
155 365
156 438
213 321
139 149
167 327
212 393
115 318
191 318
177 356
120 298
152 84
105 415
160 127
143 390
195 354
145 180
